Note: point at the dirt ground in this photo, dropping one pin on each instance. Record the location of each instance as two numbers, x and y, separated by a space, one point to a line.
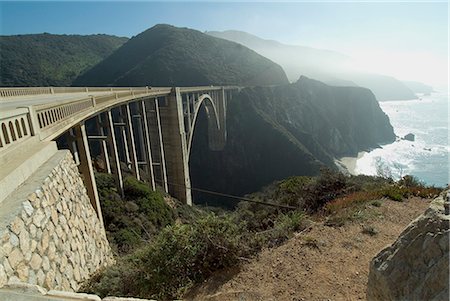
319 263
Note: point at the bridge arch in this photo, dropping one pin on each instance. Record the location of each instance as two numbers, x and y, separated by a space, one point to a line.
214 126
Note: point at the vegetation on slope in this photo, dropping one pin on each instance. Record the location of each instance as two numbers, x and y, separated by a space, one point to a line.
51 60
187 252
165 55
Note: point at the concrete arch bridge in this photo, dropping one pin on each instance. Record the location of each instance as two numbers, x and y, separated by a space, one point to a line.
150 130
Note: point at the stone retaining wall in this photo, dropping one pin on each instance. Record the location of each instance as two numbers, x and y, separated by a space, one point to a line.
49 232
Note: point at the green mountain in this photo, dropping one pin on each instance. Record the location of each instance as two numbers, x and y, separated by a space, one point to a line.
51 60
282 131
165 55
327 66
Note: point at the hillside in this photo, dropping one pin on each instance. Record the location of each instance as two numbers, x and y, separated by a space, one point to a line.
418 87
51 60
165 55
319 263
277 132
324 65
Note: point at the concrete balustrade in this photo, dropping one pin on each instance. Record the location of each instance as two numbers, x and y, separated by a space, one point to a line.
14 127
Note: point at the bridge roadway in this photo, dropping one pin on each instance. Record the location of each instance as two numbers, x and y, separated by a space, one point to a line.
148 130
9 103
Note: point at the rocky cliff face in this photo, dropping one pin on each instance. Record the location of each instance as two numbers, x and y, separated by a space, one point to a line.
281 131
416 266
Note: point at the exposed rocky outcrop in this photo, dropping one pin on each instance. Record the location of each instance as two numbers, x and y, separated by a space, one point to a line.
281 131
416 266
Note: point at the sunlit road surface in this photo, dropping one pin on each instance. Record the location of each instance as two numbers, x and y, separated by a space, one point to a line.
10 103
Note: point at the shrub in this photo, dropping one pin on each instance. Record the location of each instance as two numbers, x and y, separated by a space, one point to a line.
350 200
395 192
369 230
180 256
328 186
134 219
410 181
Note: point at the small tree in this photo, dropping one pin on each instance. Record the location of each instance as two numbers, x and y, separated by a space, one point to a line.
382 169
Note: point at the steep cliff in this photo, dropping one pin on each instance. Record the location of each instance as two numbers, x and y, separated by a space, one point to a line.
277 132
165 55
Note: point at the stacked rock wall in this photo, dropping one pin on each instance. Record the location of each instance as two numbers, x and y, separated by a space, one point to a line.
52 236
416 266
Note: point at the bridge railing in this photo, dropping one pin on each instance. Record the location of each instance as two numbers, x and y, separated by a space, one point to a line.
49 114
11 92
49 119
26 91
15 126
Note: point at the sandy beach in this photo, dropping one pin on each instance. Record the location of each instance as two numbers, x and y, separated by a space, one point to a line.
349 163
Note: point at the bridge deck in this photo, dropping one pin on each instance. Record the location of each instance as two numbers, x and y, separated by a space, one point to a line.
10 103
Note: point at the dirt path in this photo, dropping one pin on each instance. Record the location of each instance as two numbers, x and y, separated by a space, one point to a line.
321 263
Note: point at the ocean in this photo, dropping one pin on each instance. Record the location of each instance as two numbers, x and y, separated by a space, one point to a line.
426 158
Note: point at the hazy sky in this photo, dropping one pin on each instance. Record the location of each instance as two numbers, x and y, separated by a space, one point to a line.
408 40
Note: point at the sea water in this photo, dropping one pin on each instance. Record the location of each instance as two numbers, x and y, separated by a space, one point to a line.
426 158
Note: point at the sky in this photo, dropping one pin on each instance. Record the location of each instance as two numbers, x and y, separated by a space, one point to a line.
408 40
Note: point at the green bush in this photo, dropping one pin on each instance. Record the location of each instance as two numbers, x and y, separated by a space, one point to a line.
410 181
180 256
395 192
328 186
137 217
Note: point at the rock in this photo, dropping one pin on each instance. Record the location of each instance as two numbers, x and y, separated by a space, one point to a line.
22 272
28 208
3 277
15 257
17 225
14 240
35 262
45 264
416 266
24 239
38 217
40 277
50 279
409 137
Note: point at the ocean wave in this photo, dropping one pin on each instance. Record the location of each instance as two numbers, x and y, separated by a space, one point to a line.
428 156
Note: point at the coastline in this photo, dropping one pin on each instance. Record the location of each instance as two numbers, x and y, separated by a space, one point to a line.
348 164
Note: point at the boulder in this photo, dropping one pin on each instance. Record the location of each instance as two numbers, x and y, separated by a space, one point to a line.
416 265
409 137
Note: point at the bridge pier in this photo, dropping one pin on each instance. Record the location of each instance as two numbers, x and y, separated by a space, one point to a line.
100 123
145 138
129 131
117 171
175 147
86 168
